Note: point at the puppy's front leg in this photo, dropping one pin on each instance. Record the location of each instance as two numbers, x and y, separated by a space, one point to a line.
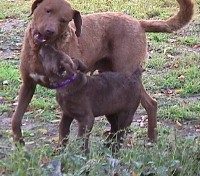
113 120
64 129
25 95
85 127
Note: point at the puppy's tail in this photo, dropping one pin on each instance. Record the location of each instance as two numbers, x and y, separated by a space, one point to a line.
175 22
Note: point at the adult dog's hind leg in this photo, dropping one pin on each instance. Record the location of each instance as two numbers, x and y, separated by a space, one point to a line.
150 106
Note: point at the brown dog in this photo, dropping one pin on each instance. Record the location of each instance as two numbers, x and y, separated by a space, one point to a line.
107 41
82 97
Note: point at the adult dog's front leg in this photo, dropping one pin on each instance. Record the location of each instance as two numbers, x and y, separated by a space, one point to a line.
25 95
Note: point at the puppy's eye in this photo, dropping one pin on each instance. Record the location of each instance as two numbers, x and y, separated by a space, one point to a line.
62 71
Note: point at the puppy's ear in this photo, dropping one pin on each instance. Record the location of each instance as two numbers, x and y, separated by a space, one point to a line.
79 65
78 22
34 6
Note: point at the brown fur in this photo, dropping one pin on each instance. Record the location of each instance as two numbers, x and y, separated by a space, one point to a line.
107 41
112 94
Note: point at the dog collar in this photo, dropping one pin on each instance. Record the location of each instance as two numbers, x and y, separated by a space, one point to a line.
63 83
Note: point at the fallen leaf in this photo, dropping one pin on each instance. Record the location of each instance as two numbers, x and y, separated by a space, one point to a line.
142 124
169 91
178 91
45 160
55 139
5 82
3 170
176 65
106 132
197 130
178 123
43 131
196 46
133 174
55 121
30 142
129 141
58 116
144 117
181 78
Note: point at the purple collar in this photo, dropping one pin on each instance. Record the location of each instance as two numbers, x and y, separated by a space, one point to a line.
63 83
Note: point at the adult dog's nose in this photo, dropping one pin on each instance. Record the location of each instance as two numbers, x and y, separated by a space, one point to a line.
49 32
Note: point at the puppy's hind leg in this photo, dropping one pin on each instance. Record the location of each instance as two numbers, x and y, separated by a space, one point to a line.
124 120
113 120
85 127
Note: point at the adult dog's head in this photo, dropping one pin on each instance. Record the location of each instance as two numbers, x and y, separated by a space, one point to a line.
51 19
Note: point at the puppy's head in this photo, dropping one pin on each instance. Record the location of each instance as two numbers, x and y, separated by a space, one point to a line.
58 65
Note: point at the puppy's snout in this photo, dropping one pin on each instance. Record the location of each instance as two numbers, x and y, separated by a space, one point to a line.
49 32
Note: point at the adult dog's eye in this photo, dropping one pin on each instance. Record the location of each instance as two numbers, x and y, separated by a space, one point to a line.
48 10
63 20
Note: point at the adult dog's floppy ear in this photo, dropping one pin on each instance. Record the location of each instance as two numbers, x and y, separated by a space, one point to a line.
79 65
34 6
78 22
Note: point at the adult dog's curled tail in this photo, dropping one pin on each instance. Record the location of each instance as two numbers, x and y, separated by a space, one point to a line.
175 22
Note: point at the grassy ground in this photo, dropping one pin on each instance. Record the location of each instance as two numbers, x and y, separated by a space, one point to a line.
172 77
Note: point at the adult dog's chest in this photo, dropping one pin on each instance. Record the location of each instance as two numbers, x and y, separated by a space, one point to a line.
36 71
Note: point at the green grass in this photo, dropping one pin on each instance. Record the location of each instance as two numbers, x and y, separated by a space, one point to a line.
190 41
179 110
180 73
172 77
4 108
149 9
44 99
9 73
171 155
14 9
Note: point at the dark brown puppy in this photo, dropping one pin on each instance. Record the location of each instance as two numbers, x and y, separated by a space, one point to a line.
83 97
106 41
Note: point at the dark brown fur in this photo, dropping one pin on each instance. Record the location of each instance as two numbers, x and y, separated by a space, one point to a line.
107 41
115 95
